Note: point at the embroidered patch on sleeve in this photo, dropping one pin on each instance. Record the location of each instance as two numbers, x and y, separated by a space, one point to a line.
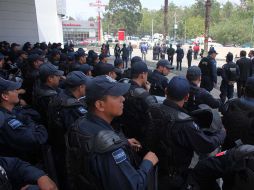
14 123
119 156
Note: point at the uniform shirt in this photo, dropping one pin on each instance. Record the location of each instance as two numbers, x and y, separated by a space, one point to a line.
114 169
19 172
19 137
158 83
180 53
225 75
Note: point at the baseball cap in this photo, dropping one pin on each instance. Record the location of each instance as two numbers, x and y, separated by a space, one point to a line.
193 72
165 63
103 85
85 68
212 51
7 85
135 59
48 69
76 78
105 68
139 67
34 57
178 88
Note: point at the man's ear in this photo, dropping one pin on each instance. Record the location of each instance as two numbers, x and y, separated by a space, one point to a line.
99 104
186 98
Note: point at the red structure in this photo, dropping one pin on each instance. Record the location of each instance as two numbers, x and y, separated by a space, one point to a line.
98 4
121 34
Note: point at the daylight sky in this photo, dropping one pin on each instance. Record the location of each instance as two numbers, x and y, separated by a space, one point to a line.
81 9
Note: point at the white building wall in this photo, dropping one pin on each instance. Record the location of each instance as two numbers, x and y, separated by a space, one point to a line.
18 21
49 22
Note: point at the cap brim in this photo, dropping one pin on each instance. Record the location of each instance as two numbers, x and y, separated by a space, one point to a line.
59 73
170 67
119 89
13 85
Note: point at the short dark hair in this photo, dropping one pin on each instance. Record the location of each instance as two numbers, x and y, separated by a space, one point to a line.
243 53
134 76
91 103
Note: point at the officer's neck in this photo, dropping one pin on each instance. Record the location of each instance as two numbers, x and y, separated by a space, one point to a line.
7 106
103 116
138 81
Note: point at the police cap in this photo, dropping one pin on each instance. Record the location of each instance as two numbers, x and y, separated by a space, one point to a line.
135 59
193 73
139 67
178 88
103 85
48 69
85 68
76 78
165 63
7 85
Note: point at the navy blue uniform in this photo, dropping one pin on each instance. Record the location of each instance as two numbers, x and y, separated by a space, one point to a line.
209 73
245 67
201 96
122 173
179 58
19 173
175 145
158 83
230 75
19 137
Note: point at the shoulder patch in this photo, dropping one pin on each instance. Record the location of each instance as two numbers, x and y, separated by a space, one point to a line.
14 123
82 110
119 156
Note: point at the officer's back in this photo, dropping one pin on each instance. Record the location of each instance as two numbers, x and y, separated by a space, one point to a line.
175 136
199 95
102 148
238 118
245 66
137 102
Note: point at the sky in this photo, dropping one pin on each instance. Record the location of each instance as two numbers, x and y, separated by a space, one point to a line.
81 9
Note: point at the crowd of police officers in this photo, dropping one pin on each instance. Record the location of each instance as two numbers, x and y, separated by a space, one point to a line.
70 121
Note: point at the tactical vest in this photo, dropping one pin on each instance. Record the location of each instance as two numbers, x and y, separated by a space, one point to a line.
238 120
81 146
205 66
231 72
156 86
56 127
162 122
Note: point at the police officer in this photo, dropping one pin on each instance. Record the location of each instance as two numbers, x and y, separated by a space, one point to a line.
127 72
20 135
175 136
137 101
209 71
234 166
64 110
245 67
199 95
46 88
80 58
171 52
15 173
54 57
158 78
179 57
230 75
125 55
109 149
238 118
189 56
30 75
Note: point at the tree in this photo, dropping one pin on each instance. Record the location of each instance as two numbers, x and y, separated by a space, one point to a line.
123 14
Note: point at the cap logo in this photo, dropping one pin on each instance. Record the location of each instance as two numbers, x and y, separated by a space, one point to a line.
110 79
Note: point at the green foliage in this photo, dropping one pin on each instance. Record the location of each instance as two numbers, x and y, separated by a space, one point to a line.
230 23
123 14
